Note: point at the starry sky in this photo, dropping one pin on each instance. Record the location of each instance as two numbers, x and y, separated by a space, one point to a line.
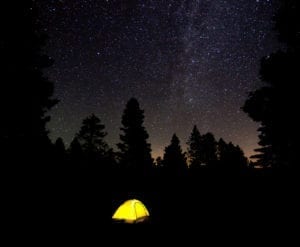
187 62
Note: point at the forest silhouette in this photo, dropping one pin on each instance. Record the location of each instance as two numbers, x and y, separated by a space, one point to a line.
84 183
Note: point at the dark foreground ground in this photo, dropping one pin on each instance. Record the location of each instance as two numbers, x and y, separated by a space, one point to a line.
83 202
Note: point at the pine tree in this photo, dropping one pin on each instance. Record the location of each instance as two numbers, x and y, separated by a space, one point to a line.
195 150
91 138
240 161
27 97
275 105
209 147
75 152
59 146
135 151
231 158
222 153
60 154
75 147
158 162
174 160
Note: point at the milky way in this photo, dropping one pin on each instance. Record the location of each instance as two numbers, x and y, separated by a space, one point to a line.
187 62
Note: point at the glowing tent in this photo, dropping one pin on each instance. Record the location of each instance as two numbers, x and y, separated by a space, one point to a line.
131 211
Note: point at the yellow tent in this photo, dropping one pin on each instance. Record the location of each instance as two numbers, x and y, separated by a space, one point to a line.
131 211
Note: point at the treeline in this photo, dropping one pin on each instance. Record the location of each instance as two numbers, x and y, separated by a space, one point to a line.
27 99
89 148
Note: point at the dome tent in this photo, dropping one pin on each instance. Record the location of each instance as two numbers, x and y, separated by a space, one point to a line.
131 211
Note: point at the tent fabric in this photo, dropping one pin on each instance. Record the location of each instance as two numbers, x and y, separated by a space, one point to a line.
131 211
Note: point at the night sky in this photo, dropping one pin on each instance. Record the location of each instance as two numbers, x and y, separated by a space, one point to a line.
186 61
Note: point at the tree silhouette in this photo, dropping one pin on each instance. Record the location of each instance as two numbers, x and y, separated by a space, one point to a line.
135 151
230 157
209 147
195 149
75 147
174 161
223 154
75 151
59 146
91 139
274 105
28 93
60 154
158 162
